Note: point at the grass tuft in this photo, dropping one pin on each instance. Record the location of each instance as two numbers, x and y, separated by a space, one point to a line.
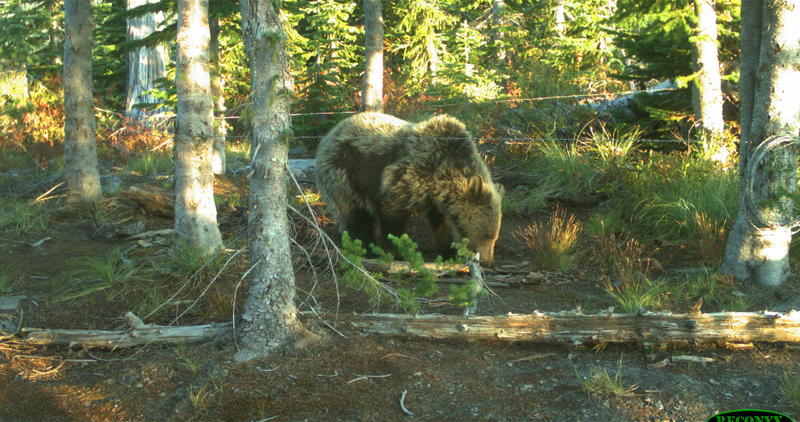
151 163
600 384
643 295
790 388
96 274
552 244
717 292
24 216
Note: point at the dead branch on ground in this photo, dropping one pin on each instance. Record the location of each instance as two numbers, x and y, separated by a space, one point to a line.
539 327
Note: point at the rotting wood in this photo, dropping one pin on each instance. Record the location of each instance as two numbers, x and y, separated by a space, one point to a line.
403 267
155 200
153 233
455 280
145 335
576 328
539 327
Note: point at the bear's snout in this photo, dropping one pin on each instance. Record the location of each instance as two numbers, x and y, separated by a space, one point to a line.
486 252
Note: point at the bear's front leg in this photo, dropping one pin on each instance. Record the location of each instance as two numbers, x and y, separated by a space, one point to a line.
360 224
391 221
441 234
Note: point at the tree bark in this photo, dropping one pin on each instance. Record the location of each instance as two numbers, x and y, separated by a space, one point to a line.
372 94
80 145
145 64
269 319
195 211
707 87
758 244
218 94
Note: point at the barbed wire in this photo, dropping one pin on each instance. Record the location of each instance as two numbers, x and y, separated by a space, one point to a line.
166 116
758 154
557 97
505 100
511 140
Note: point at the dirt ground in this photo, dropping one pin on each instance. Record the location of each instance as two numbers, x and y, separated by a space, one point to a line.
351 377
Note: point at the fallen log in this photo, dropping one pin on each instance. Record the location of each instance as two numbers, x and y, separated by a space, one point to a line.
577 328
539 327
403 267
147 335
154 199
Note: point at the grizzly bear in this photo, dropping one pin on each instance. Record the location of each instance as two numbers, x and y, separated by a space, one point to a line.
375 171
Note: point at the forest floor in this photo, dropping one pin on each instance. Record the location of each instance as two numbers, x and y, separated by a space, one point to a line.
352 377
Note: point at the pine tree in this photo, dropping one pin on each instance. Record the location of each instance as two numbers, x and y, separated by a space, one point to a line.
80 145
372 94
758 243
195 211
269 318
146 64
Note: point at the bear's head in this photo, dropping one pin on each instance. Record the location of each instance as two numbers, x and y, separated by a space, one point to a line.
476 215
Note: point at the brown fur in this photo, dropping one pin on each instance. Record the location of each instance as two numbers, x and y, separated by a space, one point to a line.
375 170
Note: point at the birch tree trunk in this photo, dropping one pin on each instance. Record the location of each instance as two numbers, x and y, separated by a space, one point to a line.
145 64
372 95
218 94
195 212
707 88
758 244
80 145
269 320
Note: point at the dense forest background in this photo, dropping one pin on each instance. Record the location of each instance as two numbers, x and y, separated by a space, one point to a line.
467 58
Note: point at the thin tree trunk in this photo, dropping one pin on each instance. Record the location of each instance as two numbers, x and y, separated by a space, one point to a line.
195 212
269 320
80 145
498 35
372 96
560 18
145 64
707 88
218 93
758 244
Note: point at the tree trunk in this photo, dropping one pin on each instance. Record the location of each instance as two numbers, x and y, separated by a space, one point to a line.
145 64
758 244
80 145
269 320
707 88
195 212
372 95
560 18
498 10
218 94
